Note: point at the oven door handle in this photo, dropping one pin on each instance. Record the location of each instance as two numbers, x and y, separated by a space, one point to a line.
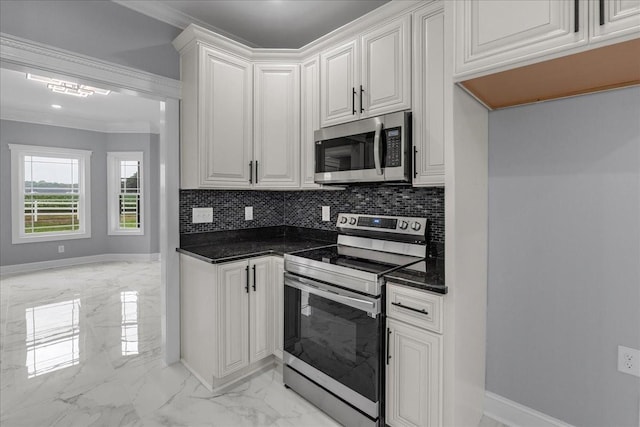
377 153
371 307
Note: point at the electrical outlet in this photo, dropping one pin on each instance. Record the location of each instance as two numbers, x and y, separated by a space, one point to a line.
629 360
248 213
200 215
326 213
60 249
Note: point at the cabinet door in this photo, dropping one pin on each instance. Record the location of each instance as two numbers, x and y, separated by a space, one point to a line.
233 315
278 305
310 119
495 33
261 309
338 81
277 126
414 376
386 69
225 125
613 18
428 90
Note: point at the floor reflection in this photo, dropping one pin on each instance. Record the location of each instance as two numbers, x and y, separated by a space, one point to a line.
53 337
129 337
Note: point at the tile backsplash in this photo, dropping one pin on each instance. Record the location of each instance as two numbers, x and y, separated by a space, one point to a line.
303 208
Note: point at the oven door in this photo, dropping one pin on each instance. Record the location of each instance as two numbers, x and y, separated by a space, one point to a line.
332 337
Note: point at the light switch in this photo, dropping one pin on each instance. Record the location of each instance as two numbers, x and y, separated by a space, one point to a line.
326 213
200 215
248 213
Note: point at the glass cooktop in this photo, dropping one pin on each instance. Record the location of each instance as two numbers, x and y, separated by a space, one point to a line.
368 260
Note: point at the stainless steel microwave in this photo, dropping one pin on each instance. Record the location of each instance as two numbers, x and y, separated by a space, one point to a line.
377 149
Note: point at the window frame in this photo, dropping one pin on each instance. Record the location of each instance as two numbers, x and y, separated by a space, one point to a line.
113 191
18 153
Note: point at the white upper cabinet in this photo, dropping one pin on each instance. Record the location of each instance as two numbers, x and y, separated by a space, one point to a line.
216 119
428 95
277 126
309 119
613 19
386 69
367 76
493 33
340 75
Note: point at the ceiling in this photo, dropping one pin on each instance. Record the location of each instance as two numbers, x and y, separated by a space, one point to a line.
287 24
30 101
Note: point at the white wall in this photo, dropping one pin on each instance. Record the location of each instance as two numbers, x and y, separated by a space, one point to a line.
564 256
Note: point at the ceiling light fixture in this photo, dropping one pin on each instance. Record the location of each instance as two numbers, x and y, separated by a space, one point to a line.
68 88
56 106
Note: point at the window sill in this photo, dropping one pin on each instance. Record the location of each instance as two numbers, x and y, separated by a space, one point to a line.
16 240
126 233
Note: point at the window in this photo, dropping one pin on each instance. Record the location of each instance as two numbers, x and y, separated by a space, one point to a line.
49 193
125 195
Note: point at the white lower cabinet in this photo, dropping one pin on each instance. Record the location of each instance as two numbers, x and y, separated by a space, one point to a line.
414 374
227 317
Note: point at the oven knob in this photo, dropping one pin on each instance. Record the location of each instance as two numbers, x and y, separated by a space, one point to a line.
343 220
352 221
403 225
415 226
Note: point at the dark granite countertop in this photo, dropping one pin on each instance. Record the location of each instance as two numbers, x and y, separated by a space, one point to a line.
224 246
427 275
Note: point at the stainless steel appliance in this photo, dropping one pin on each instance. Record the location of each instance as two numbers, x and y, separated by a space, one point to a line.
333 314
377 149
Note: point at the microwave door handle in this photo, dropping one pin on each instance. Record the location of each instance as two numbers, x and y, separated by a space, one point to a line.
377 154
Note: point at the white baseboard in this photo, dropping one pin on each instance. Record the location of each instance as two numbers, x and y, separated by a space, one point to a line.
66 262
514 414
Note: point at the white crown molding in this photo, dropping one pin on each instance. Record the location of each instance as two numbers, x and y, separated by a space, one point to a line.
514 414
23 53
195 33
51 119
162 12
67 262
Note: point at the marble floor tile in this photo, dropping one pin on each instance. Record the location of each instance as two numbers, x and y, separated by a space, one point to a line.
81 346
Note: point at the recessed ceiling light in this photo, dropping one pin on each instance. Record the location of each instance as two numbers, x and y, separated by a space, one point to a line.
56 106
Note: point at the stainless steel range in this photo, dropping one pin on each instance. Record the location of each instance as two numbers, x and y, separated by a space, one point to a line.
333 313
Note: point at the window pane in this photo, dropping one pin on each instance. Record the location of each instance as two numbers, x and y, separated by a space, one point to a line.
51 194
129 197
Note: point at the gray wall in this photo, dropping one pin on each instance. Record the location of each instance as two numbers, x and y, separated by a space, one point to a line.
100 143
564 256
100 29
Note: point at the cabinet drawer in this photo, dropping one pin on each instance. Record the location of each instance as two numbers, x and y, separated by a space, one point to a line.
415 307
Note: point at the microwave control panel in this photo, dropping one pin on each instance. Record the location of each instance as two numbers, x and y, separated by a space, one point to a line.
394 153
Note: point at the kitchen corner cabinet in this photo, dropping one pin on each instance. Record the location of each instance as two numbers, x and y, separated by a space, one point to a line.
494 33
227 320
428 95
216 119
240 122
367 76
276 129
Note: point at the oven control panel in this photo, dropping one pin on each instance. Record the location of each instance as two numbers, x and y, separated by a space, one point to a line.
385 224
